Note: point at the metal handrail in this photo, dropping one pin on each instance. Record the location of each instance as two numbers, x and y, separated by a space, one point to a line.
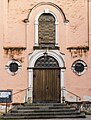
26 90
21 91
15 94
77 97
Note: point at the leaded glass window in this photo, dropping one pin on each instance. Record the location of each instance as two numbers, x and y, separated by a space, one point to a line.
46 30
46 62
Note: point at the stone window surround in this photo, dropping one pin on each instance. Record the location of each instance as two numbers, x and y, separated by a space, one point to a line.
36 26
8 64
84 64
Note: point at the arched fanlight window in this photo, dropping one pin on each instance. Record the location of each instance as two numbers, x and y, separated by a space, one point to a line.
46 61
79 67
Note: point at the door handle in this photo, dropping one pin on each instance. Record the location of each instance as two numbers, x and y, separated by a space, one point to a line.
46 87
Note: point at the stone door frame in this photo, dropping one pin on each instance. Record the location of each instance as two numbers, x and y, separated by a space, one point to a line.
32 58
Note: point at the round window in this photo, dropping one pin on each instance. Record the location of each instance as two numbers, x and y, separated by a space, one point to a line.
13 67
79 67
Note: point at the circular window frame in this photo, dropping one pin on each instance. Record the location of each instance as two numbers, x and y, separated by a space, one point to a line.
74 64
7 67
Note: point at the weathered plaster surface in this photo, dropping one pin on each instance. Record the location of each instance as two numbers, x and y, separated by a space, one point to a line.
75 11
76 33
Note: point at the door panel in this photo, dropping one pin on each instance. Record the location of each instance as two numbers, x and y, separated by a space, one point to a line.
46 85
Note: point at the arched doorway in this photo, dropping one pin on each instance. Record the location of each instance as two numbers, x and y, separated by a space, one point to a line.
46 80
38 65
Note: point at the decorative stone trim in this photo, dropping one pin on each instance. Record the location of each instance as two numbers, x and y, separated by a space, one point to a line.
10 67
65 20
34 57
78 51
78 48
36 26
12 51
79 67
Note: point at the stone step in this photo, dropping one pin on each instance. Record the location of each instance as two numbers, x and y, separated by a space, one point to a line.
44 107
43 111
44 117
44 104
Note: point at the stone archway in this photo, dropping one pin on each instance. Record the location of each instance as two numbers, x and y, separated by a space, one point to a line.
32 61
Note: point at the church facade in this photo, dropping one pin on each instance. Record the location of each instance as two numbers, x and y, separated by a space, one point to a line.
45 50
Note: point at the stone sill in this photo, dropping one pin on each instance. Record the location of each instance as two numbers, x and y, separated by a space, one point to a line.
78 48
14 48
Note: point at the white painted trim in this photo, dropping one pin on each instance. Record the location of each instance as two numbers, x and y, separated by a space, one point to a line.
36 33
36 26
8 64
32 59
54 53
79 73
30 90
56 33
62 83
50 4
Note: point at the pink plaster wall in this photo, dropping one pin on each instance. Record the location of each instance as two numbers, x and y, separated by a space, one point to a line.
73 34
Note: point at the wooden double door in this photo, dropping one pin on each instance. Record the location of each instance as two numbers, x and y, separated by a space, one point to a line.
46 85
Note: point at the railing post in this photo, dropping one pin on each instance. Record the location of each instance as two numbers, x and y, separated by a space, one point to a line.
6 105
62 84
63 96
76 98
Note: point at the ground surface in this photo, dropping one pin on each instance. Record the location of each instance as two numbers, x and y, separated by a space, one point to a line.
87 118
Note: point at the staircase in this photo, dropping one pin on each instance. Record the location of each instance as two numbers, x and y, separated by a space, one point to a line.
43 111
